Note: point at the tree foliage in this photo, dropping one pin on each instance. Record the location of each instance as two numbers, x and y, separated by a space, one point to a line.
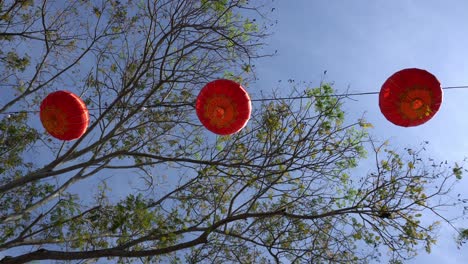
286 188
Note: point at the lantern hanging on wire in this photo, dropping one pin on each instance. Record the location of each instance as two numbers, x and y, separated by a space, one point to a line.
410 97
223 107
64 115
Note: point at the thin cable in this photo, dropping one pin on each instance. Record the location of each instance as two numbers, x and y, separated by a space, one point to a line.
178 104
455 87
305 97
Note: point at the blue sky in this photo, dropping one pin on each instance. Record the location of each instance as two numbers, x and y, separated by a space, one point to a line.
360 44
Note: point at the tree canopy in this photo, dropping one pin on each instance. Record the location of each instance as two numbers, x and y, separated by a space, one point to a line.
286 188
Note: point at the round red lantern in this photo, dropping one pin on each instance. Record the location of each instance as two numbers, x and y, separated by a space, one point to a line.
64 115
223 107
410 97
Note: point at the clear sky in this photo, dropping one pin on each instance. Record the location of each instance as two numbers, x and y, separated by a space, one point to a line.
360 44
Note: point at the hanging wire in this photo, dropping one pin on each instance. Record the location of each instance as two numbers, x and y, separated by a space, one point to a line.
179 104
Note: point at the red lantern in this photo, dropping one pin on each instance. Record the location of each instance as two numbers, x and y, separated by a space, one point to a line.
64 115
223 107
410 97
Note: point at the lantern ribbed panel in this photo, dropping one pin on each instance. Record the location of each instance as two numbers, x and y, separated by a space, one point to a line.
410 97
223 107
64 115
